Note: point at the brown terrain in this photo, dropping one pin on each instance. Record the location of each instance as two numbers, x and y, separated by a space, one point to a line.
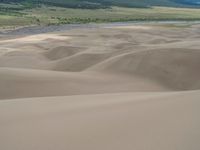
108 88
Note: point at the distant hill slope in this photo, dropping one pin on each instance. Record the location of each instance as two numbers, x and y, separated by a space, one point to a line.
191 2
17 13
107 3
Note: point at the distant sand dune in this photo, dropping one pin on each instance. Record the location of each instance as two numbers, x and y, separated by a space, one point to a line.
175 68
62 52
79 62
168 60
107 88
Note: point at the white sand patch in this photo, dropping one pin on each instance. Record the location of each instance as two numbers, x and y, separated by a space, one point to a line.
37 38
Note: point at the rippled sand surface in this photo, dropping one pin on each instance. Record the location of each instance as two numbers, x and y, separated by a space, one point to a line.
106 88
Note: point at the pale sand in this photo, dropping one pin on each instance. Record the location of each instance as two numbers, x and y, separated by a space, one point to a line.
36 38
131 27
120 88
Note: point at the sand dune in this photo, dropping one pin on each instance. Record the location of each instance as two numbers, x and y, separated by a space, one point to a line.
62 52
128 121
22 83
174 68
121 87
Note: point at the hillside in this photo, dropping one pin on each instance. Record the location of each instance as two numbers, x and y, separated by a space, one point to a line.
15 13
106 3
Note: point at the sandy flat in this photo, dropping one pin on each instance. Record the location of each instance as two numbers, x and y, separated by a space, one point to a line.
113 88
131 27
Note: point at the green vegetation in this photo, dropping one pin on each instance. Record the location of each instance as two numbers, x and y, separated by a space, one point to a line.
33 12
95 4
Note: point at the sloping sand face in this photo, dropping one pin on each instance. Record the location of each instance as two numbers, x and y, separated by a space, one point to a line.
124 87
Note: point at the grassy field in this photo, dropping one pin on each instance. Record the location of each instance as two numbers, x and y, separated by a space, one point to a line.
17 15
96 4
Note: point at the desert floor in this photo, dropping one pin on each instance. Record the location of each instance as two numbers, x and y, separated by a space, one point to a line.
126 87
